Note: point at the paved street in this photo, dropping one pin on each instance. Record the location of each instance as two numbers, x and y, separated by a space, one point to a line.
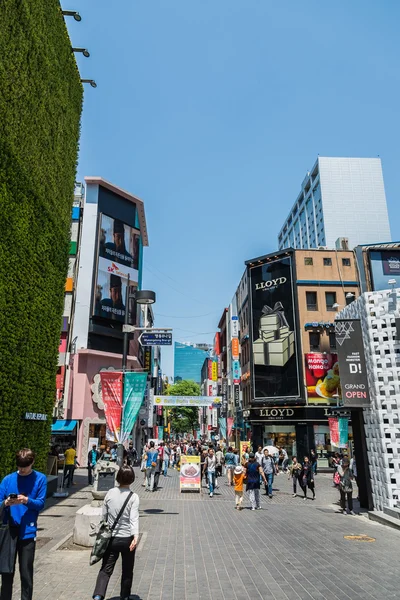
200 548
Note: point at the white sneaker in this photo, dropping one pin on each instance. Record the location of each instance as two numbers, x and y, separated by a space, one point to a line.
353 513
211 495
253 509
294 495
258 508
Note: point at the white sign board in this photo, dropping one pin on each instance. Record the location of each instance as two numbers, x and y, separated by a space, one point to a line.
234 327
187 400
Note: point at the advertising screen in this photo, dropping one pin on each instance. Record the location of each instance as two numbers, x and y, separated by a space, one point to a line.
273 332
353 370
322 378
385 265
118 259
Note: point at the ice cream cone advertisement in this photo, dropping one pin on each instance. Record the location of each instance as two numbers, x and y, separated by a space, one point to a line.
273 327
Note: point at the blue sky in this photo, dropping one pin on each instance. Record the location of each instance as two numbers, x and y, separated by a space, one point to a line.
212 111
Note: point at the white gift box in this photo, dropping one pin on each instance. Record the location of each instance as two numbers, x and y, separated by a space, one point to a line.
268 336
259 352
269 322
278 359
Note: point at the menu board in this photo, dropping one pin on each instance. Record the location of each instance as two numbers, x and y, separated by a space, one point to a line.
190 474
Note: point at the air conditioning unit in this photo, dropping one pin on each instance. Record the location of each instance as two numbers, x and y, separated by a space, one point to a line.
322 247
342 243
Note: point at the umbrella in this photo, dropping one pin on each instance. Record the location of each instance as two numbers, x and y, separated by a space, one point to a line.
272 450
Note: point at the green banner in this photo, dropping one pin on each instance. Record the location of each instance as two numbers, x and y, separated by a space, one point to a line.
134 389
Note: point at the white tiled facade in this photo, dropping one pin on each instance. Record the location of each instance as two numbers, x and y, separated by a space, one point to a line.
340 197
377 312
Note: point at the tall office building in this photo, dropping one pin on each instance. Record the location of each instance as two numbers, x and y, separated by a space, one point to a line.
188 361
339 198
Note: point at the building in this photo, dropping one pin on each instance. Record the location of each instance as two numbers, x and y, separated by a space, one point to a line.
339 198
189 360
287 302
112 238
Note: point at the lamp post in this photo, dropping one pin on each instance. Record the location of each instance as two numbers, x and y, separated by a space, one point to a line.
84 51
72 13
90 81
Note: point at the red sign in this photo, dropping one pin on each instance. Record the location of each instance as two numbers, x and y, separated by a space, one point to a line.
334 431
63 343
111 391
235 348
230 421
217 344
209 427
210 367
322 377
210 390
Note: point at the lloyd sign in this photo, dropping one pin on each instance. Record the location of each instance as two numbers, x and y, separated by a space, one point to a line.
353 372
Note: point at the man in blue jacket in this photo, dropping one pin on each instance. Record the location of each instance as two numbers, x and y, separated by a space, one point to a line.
23 494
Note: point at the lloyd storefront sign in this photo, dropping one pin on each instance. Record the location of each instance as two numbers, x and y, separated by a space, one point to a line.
291 414
273 326
353 372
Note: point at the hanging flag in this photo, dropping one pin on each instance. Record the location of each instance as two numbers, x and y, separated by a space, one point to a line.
161 432
343 425
334 431
134 389
111 391
222 427
230 421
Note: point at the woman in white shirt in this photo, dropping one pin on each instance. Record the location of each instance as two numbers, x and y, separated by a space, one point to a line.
125 535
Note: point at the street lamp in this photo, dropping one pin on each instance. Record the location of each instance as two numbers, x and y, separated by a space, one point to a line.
91 81
83 50
72 13
145 297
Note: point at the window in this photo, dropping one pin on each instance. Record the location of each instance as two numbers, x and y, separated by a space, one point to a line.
332 340
330 299
308 261
350 296
327 262
346 262
311 299
314 340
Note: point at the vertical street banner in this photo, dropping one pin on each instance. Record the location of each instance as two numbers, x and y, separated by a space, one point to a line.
224 397
134 390
353 371
275 360
334 431
343 427
230 421
111 391
222 427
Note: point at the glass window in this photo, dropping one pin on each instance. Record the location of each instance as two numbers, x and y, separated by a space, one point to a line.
327 262
330 299
314 340
308 260
311 299
346 262
350 296
332 340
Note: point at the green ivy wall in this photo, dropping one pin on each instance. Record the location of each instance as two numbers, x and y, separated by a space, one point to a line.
40 108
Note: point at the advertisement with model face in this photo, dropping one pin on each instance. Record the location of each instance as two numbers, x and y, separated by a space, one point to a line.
273 332
118 242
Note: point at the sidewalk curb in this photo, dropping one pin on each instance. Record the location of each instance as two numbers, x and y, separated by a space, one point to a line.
61 542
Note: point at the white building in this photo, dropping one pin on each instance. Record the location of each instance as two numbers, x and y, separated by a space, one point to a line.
339 198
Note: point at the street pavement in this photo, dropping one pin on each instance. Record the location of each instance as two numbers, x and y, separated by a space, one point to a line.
200 548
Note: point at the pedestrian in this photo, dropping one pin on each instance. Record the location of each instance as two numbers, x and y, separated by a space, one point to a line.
237 457
124 536
253 472
335 465
151 458
245 456
178 455
230 463
238 478
131 455
346 486
259 454
69 465
219 455
307 478
353 471
210 466
285 460
269 469
93 457
203 465
23 495
106 454
114 453
167 456
143 464
157 472
294 474
314 461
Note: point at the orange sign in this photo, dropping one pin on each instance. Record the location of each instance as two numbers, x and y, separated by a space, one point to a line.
235 348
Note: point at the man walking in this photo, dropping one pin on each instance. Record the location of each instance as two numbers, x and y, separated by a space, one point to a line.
69 465
151 457
269 468
167 456
93 457
24 495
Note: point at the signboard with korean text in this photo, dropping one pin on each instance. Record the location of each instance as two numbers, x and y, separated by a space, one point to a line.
234 327
187 400
236 372
235 349
224 397
158 338
276 370
353 372
190 473
214 370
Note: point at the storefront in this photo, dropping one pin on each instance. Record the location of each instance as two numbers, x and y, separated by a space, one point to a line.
63 433
298 429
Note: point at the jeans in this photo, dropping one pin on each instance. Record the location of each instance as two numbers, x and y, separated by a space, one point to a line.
254 496
270 481
211 481
343 500
68 474
26 556
314 467
165 467
294 480
150 471
116 547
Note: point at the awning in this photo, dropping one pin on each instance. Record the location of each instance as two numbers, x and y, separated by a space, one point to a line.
63 426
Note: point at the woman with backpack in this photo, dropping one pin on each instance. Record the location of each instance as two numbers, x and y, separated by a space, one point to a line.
121 512
345 486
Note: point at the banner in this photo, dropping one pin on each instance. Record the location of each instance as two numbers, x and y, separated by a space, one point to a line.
224 397
187 400
160 433
230 421
134 389
353 372
190 474
222 427
235 348
273 328
234 326
111 391
236 372
343 426
322 378
334 431
214 371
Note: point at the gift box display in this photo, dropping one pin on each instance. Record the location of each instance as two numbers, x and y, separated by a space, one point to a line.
275 345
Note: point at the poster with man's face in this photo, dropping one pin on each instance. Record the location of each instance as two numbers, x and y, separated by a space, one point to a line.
118 242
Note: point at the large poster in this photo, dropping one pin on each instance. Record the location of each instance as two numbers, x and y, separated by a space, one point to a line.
190 474
273 329
353 372
322 378
111 392
118 259
134 389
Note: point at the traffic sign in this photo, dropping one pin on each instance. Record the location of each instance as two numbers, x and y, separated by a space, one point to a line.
155 339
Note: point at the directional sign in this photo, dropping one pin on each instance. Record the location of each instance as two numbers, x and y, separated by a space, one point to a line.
155 339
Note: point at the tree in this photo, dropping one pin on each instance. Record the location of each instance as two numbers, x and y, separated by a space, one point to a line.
184 419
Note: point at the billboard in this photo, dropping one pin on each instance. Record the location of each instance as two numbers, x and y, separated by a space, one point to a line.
322 378
353 372
118 260
385 265
273 332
